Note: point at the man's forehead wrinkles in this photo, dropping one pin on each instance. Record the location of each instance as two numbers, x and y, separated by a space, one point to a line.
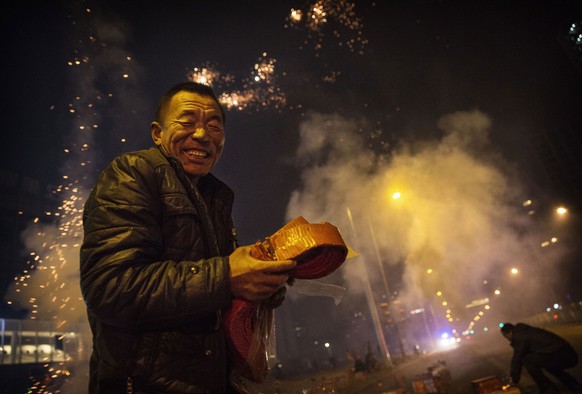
188 105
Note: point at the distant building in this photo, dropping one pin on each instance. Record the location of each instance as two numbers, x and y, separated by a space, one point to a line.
31 342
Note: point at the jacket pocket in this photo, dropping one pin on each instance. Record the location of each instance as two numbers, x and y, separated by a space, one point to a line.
185 362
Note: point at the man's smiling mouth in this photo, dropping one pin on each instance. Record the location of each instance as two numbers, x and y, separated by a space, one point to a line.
196 153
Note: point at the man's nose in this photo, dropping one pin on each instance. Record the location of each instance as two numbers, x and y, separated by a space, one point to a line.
200 133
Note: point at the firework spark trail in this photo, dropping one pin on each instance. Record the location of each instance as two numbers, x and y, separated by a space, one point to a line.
50 282
54 247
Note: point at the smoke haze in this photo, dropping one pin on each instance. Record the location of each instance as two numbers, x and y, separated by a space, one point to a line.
457 227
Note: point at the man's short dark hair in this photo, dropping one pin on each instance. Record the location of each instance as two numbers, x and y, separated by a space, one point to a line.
188 86
506 328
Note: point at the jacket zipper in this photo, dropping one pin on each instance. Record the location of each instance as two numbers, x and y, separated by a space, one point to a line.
199 204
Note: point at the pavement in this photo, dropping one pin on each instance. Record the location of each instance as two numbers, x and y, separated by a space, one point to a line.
460 368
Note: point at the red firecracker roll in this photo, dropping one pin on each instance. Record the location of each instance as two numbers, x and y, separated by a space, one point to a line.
318 249
239 324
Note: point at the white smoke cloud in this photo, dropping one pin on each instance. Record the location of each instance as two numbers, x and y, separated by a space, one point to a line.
458 225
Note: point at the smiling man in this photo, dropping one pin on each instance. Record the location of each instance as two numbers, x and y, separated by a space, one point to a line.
190 127
160 260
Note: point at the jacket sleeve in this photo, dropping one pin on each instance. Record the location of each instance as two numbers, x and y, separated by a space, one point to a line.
122 280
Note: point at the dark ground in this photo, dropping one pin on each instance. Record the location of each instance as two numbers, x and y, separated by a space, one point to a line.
472 360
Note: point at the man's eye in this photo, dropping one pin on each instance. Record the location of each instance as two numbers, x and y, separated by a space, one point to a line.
215 126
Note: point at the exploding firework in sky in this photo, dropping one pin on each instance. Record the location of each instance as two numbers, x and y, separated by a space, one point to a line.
317 18
257 91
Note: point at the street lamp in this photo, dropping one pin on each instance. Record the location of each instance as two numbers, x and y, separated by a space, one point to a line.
328 347
561 211
386 358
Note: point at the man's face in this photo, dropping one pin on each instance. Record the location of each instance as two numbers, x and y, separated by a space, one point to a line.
192 131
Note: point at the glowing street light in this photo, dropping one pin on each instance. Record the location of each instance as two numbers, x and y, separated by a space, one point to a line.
561 211
514 271
396 196
328 347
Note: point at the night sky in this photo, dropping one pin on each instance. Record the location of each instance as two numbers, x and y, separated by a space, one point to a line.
422 60
356 115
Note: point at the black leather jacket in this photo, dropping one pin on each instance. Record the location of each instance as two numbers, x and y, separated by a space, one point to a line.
154 273
526 339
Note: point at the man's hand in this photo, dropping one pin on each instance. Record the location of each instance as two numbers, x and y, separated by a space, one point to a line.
256 280
276 299
508 383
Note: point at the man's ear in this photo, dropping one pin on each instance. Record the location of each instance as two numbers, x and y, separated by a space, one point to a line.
156 129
